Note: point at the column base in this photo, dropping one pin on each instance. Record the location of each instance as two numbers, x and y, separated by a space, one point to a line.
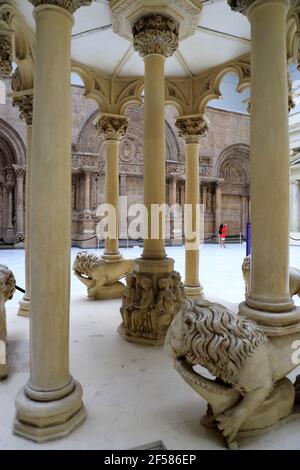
153 296
194 292
42 421
271 323
113 258
24 307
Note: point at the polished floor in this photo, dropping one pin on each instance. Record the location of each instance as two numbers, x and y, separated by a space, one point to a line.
131 393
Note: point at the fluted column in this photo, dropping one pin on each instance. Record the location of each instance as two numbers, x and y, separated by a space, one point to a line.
25 104
192 128
155 37
10 236
269 301
112 128
50 405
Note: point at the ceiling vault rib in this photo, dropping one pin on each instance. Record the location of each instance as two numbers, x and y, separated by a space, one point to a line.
88 32
183 63
125 58
223 35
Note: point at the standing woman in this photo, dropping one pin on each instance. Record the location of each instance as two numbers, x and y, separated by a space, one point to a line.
224 232
220 233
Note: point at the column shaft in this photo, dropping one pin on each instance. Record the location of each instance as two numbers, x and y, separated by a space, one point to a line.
192 198
50 404
20 205
269 158
112 192
218 213
154 149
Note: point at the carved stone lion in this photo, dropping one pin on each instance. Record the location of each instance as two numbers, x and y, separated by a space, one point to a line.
294 277
250 391
100 277
7 290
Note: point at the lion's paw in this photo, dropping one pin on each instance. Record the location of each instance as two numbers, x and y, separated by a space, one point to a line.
229 425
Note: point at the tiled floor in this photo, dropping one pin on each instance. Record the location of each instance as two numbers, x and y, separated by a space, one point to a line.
132 394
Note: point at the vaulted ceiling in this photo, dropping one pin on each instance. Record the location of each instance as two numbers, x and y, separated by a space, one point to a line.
221 35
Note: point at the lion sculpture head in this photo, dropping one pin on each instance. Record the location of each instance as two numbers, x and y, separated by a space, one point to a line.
210 335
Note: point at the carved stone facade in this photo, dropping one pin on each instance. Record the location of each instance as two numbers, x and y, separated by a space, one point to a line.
5 57
240 6
224 167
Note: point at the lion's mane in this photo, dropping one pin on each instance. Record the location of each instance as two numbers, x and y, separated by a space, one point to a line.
219 340
7 282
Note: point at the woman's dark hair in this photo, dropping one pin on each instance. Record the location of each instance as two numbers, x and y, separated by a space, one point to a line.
220 229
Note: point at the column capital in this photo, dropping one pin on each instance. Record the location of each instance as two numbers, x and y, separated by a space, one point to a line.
6 56
70 5
155 34
25 105
111 126
242 6
192 128
20 171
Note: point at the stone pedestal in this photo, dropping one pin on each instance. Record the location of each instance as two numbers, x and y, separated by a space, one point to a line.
153 296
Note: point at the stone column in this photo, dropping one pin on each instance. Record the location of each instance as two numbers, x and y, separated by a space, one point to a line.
218 209
204 201
146 319
50 405
10 231
269 301
112 128
20 173
123 208
24 101
295 206
87 189
192 128
172 201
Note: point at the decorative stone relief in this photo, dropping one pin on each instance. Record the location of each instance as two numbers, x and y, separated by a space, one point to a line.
241 6
100 276
70 5
231 172
25 105
155 34
149 304
6 57
111 127
126 153
7 290
231 347
192 128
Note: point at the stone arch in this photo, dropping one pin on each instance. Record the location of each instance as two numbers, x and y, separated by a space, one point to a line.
233 164
88 141
12 147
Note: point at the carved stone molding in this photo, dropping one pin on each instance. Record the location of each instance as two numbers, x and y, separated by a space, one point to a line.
241 6
192 128
155 34
6 57
25 105
70 5
111 127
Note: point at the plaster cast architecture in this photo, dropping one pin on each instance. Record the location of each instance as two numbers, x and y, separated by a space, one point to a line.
169 54
224 170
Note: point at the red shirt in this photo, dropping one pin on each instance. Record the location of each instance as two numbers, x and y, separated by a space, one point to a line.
224 232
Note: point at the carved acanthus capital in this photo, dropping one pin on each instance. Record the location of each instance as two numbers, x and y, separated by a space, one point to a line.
70 5
111 126
155 34
241 6
192 128
25 105
6 57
